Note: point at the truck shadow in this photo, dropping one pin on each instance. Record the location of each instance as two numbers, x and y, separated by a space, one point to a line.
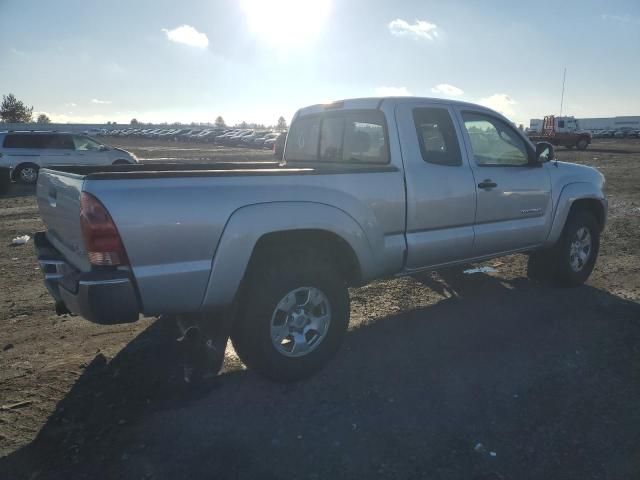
539 375
19 190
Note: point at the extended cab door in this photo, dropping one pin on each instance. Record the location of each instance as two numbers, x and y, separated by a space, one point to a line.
513 193
441 195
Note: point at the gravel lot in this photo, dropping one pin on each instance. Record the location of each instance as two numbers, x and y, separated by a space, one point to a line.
442 376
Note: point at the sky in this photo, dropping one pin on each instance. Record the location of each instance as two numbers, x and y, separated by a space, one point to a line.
254 60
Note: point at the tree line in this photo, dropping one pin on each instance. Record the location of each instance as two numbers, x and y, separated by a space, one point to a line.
13 110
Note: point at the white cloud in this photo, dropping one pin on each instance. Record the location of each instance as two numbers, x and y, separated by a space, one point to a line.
101 102
500 102
447 90
70 104
419 29
392 92
622 18
187 35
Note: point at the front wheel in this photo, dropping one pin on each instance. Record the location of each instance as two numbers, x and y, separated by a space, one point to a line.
571 260
294 315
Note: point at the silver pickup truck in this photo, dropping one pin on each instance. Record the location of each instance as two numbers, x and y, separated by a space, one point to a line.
368 188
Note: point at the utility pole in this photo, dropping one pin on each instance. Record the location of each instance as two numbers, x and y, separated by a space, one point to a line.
564 77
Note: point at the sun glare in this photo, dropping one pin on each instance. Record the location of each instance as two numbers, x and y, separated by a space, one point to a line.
286 23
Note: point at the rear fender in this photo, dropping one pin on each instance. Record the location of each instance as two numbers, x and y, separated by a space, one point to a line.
248 224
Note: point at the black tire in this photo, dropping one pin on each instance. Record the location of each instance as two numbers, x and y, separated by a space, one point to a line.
20 173
5 180
582 144
274 275
555 264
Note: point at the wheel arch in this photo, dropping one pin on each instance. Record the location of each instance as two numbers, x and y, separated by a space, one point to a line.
254 229
577 196
16 170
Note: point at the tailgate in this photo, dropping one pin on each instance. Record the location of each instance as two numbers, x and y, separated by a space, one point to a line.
58 196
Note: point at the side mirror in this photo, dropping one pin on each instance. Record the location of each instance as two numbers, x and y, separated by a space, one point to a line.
103 148
545 152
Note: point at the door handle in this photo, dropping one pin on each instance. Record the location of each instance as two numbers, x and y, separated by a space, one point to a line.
487 184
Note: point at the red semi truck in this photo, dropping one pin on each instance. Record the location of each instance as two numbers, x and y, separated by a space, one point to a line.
564 131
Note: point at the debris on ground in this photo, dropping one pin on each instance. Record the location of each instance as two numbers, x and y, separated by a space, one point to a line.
479 270
11 406
22 240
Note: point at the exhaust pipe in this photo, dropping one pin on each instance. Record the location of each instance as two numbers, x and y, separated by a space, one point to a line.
61 308
202 358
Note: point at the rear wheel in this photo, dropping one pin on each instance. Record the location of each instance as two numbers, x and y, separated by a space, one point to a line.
294 315
5 180
27 173
582 144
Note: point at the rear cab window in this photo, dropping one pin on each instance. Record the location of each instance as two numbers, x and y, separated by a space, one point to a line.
348 137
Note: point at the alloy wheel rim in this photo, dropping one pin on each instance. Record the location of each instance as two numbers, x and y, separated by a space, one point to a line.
580 249
300 321
28 174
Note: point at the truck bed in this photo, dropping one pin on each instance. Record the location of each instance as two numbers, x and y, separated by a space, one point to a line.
171 218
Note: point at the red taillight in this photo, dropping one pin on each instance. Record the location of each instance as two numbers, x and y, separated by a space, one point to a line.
101 237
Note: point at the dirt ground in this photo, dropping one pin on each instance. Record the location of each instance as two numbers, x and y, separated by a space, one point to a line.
442 376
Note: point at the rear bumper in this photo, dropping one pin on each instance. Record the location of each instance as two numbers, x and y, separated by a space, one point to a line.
106 297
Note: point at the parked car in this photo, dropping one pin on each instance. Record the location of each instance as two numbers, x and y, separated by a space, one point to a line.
278 145
247 140
237 139
24 153
224 138
259 142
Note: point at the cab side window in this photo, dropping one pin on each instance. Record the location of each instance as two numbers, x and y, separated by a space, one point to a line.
493 142
85 143
58 142
437 136
22 140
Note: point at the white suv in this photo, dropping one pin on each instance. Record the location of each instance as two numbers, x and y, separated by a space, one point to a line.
24 153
